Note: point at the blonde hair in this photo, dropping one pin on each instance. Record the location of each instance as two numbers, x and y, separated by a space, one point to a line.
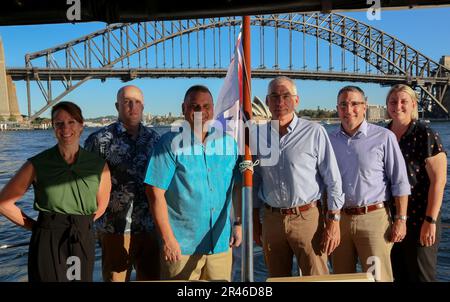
410 92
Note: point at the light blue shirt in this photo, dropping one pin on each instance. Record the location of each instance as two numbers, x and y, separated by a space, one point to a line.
198 184
371 164
306 168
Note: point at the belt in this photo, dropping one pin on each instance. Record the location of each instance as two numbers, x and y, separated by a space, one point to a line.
364 210
294 210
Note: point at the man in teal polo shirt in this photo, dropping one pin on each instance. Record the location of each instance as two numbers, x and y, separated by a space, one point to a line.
190 182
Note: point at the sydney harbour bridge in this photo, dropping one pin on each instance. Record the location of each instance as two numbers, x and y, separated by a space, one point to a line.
314 46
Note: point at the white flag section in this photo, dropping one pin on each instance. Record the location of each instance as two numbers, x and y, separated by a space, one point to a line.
228 108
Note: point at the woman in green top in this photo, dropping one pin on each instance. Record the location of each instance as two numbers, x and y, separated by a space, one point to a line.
71 188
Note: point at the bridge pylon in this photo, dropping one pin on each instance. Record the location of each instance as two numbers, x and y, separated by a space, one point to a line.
9 108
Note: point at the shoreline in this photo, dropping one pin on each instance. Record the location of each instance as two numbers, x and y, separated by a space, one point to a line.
323 121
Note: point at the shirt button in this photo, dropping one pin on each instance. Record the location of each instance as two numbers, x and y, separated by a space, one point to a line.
212 209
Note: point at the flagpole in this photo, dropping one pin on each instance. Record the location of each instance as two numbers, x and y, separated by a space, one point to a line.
247 185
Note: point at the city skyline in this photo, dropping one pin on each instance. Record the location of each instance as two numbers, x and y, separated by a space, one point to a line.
423 29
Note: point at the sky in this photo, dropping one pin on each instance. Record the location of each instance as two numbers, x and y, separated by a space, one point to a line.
427 30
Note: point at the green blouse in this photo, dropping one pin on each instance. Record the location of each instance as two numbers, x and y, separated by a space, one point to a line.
64 188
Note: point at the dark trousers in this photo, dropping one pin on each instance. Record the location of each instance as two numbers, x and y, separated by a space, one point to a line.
412 262
62 248
122 252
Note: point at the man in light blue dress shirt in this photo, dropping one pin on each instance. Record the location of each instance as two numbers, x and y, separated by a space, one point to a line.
291 189
373 171
191 177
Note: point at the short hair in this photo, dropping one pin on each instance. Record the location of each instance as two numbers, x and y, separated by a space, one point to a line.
351 88
410 92
120 92
195 89
282 79
70 108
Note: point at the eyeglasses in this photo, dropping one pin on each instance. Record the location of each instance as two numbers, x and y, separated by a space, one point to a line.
344 105
284 97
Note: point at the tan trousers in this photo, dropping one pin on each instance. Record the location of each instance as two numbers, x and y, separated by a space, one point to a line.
120 253
288 235
214 267
365 237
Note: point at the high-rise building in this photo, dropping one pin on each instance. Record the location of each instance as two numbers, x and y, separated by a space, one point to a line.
376 113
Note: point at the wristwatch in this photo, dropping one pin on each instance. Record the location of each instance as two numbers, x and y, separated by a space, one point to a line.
430 219
401 217
334 216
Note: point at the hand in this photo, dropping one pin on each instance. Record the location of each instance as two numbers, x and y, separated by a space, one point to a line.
257 232
331 237
427 234
398 231
171 250
236 237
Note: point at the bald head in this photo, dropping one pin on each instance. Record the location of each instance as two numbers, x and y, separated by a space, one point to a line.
130 105
130 89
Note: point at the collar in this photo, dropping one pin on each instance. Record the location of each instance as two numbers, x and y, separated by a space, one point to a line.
291 126
362 129
121 130
293 123
196 140
411 127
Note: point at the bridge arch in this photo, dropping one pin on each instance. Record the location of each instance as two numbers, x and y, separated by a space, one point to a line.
96 55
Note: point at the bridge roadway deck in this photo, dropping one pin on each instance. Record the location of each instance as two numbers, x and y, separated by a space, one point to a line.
133 73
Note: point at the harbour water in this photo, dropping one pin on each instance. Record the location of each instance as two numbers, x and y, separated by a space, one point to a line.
17 146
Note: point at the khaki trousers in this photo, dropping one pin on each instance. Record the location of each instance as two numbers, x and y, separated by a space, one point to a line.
120 253
199 267
366 237
287 235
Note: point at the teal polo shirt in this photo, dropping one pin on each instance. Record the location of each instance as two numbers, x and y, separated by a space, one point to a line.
198 179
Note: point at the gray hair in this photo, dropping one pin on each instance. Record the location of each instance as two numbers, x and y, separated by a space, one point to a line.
282 79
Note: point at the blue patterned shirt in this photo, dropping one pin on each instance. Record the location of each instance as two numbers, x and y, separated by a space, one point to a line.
128 210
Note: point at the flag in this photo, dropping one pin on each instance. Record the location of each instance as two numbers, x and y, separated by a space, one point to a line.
229 103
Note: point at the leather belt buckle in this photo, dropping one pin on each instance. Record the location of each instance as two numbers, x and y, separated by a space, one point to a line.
287 211
363 210
294 210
